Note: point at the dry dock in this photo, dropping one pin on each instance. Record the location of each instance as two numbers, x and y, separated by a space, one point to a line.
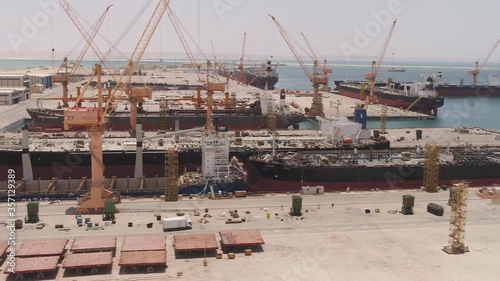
330 242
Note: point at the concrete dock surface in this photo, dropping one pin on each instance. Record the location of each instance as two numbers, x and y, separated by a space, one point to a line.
334 239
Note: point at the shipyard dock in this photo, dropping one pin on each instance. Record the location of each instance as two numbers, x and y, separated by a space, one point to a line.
13 117
334 239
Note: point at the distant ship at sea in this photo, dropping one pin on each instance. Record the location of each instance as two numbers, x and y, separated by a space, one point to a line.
397 69
447 90
260 76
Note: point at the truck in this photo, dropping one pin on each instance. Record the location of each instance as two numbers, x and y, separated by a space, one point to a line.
176 223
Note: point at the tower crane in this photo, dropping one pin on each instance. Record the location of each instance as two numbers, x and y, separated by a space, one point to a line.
241 79
210 87
376 64
478 67
317 102
325 70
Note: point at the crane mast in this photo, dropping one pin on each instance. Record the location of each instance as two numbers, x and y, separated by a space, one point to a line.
478 67
325 70
317 102
210 87
376 64
136 95
241 79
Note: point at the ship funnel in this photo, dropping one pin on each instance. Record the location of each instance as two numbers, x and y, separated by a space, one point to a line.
429 83
282 97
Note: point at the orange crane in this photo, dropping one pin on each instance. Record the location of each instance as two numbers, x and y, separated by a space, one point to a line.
136 95
95 118
376 65
76 21
477 69
210 87
64 78
325 70
241 79
317 102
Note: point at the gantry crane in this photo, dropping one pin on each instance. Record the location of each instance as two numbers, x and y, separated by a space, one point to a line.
317 102
241 79
376 65
210 87
478 67
64 78
325 70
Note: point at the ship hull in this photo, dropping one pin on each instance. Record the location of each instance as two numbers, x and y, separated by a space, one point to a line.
260 82
422 105
120 164
53 119
265 177
467 90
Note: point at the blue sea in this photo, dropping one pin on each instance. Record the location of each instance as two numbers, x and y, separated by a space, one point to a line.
456 112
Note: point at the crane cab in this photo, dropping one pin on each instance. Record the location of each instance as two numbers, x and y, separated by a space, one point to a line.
81 117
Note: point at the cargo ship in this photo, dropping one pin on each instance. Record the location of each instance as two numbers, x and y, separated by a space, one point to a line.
397 69
177 118
260 76
447 90
67 155
416 96
348 170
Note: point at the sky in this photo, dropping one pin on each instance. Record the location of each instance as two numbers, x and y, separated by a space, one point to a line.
445 30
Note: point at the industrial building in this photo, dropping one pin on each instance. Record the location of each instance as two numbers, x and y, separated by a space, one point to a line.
10 96
41 79
14 80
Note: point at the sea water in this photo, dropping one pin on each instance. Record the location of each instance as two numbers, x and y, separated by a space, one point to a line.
456 112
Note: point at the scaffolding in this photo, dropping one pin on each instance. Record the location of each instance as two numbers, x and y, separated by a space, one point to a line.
163 121
383 120
232 100
171 175
271 123
457 220
431 167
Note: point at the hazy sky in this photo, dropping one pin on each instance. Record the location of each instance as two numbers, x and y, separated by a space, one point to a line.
441 30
